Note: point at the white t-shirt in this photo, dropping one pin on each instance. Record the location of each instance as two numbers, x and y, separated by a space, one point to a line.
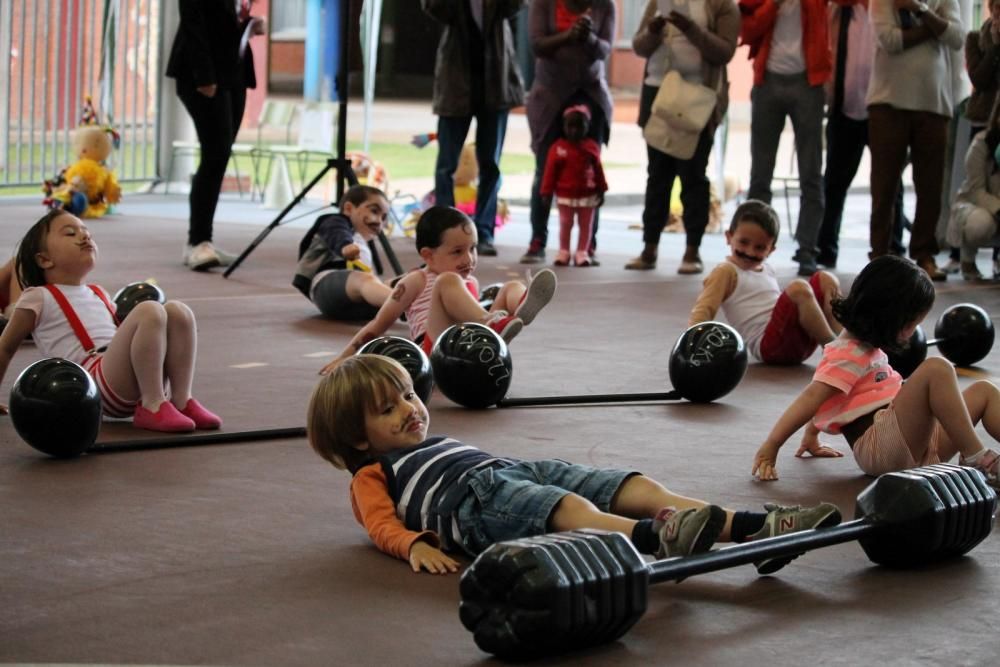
53 335
786 56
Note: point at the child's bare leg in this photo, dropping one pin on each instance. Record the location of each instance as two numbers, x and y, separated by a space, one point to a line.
575 512
829 284
362 286
509 296
811 316
182 349
983 402
451 303
930 394
133 363
641 497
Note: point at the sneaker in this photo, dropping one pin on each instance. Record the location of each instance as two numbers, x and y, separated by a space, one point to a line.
827 260
562 258
201 417
541 289
167 419
225 258
486 249
687 268
783 520
535 254
989 465
508 326
953 266
582 259
807 263
201 257
690 531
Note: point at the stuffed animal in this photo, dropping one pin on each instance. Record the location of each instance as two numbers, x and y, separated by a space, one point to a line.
466 178
87 188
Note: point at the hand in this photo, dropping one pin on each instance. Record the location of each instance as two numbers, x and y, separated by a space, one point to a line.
814 447
350 251
421 140
333 364
682 22
765 463
425 557
208 91
581 29
656 25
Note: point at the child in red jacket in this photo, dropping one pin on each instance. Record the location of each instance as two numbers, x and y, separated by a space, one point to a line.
573 171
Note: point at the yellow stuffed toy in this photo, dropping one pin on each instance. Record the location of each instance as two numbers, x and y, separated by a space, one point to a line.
87 188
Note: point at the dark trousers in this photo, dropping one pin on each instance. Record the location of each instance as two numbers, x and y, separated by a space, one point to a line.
491 128
539 211
216 120
891 132
661 169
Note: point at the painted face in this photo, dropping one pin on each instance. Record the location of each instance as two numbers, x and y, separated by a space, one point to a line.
400 420
749 245
575 126
369 217
69 248
457 252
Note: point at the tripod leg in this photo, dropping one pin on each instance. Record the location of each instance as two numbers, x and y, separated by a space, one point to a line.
277 221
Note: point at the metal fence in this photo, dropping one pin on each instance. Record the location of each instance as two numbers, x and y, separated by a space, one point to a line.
54 54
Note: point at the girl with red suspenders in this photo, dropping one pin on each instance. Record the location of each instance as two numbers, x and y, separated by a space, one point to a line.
133 362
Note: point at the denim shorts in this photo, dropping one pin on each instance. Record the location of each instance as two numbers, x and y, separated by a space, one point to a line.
508 503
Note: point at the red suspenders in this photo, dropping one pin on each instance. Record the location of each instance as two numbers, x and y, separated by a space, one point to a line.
74 319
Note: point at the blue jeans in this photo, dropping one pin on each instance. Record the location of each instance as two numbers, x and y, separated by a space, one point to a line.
779 96
491 128
513 502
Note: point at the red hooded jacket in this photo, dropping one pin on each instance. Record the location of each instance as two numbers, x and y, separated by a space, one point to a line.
759 17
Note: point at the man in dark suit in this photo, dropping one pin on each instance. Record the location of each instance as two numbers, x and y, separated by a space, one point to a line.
213 66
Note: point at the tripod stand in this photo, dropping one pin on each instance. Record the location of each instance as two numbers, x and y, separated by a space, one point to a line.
340 163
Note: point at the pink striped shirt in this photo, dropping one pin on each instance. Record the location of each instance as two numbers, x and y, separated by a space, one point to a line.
863 376
420 309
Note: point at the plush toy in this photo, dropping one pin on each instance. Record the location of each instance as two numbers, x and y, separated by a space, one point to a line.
87 188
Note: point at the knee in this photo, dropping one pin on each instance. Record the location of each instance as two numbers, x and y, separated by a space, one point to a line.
937 368
828 283
448 281
799 291
177 311
149 312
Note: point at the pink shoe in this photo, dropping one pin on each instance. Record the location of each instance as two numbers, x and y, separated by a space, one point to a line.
201 417
166 419
562 258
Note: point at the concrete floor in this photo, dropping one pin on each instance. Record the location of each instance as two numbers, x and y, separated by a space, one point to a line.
248 554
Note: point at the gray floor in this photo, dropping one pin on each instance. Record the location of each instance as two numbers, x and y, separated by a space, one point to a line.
248 554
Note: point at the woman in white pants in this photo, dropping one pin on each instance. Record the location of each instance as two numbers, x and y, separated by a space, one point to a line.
973 223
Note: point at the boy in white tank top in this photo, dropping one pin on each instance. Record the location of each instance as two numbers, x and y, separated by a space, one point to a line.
778 326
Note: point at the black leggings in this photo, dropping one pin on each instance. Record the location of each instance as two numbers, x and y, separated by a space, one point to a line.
216 120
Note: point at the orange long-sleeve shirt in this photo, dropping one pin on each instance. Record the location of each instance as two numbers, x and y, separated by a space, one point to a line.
374 509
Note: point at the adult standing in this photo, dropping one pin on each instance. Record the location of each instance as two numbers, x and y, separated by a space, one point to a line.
696 39
213 66
790 47
910 100
475 76
982 62
572 41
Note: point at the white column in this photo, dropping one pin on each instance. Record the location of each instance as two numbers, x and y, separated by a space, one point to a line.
175 124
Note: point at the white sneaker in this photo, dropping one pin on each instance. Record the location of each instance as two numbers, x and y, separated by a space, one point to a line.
953 266
201 257
225 258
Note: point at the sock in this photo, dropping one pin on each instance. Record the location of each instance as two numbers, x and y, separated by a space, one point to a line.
975 457
645 539
746 524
